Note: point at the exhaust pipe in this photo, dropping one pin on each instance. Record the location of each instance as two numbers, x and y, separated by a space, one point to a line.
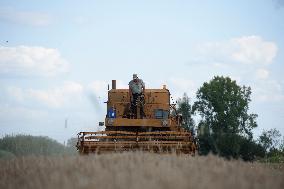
113 84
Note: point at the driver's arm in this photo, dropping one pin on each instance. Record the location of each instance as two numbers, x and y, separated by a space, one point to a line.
143 87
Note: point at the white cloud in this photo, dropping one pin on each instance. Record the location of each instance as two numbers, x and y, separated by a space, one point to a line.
35 61
179 86
246 50
20 113
253 49
262 73
246 59
69 93
32 18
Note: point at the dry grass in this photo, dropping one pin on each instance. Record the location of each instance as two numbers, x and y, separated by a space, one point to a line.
136 170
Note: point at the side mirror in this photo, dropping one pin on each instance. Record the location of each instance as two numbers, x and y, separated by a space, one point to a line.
101 123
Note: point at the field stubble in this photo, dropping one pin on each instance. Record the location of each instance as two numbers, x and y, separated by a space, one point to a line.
135 171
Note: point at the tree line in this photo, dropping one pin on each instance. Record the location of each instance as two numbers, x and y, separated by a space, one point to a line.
225 125
23 145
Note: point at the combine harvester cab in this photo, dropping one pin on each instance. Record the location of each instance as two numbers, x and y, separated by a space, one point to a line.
156 129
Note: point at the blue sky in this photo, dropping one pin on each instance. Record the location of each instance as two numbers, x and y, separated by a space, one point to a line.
57 57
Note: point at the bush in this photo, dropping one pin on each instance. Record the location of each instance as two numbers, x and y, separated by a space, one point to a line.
21 145
231 146
250 150
6 155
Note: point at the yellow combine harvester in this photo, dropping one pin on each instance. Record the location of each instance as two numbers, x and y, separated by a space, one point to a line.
158 130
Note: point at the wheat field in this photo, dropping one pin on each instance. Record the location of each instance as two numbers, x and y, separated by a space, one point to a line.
136 171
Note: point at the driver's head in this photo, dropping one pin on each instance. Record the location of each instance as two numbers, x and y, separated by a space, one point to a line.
135 77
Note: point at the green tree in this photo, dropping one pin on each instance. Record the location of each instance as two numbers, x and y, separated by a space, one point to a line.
184 108
281 146
270 139
223 107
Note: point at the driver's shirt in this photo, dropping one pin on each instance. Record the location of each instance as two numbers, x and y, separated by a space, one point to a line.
137 87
